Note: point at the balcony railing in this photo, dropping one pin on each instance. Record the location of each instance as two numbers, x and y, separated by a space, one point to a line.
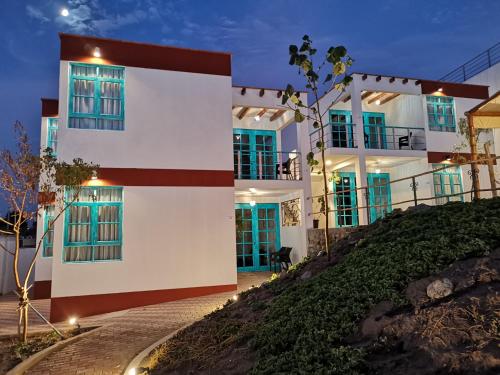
474 66
341 135
394 138
267 165
337 134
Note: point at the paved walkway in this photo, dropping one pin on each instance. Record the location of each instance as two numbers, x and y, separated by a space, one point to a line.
125 334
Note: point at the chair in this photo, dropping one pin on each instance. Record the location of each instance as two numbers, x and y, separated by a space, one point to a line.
281 257
285 169
405 141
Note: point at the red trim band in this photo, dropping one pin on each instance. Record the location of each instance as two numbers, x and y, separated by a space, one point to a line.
143 55
438 157
457 90
61 308
163 177
42 289
50 107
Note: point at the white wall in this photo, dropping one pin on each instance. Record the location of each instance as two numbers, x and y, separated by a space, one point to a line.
172 238
7 281
173 120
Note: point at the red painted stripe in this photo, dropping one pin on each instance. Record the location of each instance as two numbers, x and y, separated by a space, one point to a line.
439 157
42 289
458 90
50 107
61 308
163 177
144 55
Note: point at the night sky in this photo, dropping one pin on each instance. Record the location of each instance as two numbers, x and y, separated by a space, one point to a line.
423 39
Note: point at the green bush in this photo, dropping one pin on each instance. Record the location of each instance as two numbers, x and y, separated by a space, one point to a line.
305 326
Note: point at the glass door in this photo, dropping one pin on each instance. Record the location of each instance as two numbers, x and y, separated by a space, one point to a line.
344 200
447 182
257 235
374 124
342 132
255 154
379 193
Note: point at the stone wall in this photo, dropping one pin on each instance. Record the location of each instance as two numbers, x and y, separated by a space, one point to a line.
316 238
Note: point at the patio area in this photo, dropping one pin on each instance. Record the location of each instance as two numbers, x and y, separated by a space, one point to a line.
122 334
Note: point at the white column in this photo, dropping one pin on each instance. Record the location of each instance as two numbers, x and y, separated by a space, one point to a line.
357 113
304 147
361 181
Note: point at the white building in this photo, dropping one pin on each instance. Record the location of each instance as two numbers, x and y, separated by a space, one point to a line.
186 158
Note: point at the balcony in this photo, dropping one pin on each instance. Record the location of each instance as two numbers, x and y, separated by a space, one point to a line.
394 138
267 165
344 135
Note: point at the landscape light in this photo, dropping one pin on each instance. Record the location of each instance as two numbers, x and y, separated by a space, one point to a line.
97 52
132 371
72 321
235 297
64 12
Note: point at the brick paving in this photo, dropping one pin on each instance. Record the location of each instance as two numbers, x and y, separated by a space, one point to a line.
122 336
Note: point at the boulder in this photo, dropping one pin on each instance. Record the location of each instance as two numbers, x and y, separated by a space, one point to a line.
439 288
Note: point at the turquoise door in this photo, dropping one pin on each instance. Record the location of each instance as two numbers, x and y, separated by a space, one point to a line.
341 128
379 193
344 202
255 154
374 126
257 235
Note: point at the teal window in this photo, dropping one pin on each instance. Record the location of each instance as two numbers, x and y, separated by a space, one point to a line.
342 132
447 182
52 129
48 229
93 225
379 193
441 113
96 97
255 155
345 200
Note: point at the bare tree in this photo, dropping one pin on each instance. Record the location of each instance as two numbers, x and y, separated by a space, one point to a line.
334 66
28 184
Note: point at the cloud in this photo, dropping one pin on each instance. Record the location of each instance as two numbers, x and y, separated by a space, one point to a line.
36 14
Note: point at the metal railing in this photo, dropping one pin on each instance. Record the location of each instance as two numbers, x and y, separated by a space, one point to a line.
337 134
409 193
394 138
474 66
342 135
267 165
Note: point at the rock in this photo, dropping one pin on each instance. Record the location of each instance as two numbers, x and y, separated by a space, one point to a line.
306 275
439 288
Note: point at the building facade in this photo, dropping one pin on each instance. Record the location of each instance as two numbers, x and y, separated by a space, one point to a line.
198 179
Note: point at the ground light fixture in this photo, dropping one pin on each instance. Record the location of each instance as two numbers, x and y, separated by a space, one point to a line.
235 297
72 321
64 12
97 52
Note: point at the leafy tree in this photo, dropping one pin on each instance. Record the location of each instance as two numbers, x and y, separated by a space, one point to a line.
334 67
28 183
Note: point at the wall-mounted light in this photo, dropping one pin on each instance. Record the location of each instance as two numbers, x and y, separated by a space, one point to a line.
97 52
328 163
448 157
440 89
252 190
94 175
64 12
377 171
252 203
377 102
257 118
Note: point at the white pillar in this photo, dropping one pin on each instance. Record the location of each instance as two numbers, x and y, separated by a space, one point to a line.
361 181
304 147
357 113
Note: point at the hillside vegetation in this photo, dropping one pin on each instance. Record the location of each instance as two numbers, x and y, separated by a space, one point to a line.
366 311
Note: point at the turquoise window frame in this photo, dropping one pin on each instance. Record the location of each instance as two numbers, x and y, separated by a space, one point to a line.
47 217
372 194
353 197
94 226
52 124
446 176
97 95
436 109
339 128
255 234
378 128
253 133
